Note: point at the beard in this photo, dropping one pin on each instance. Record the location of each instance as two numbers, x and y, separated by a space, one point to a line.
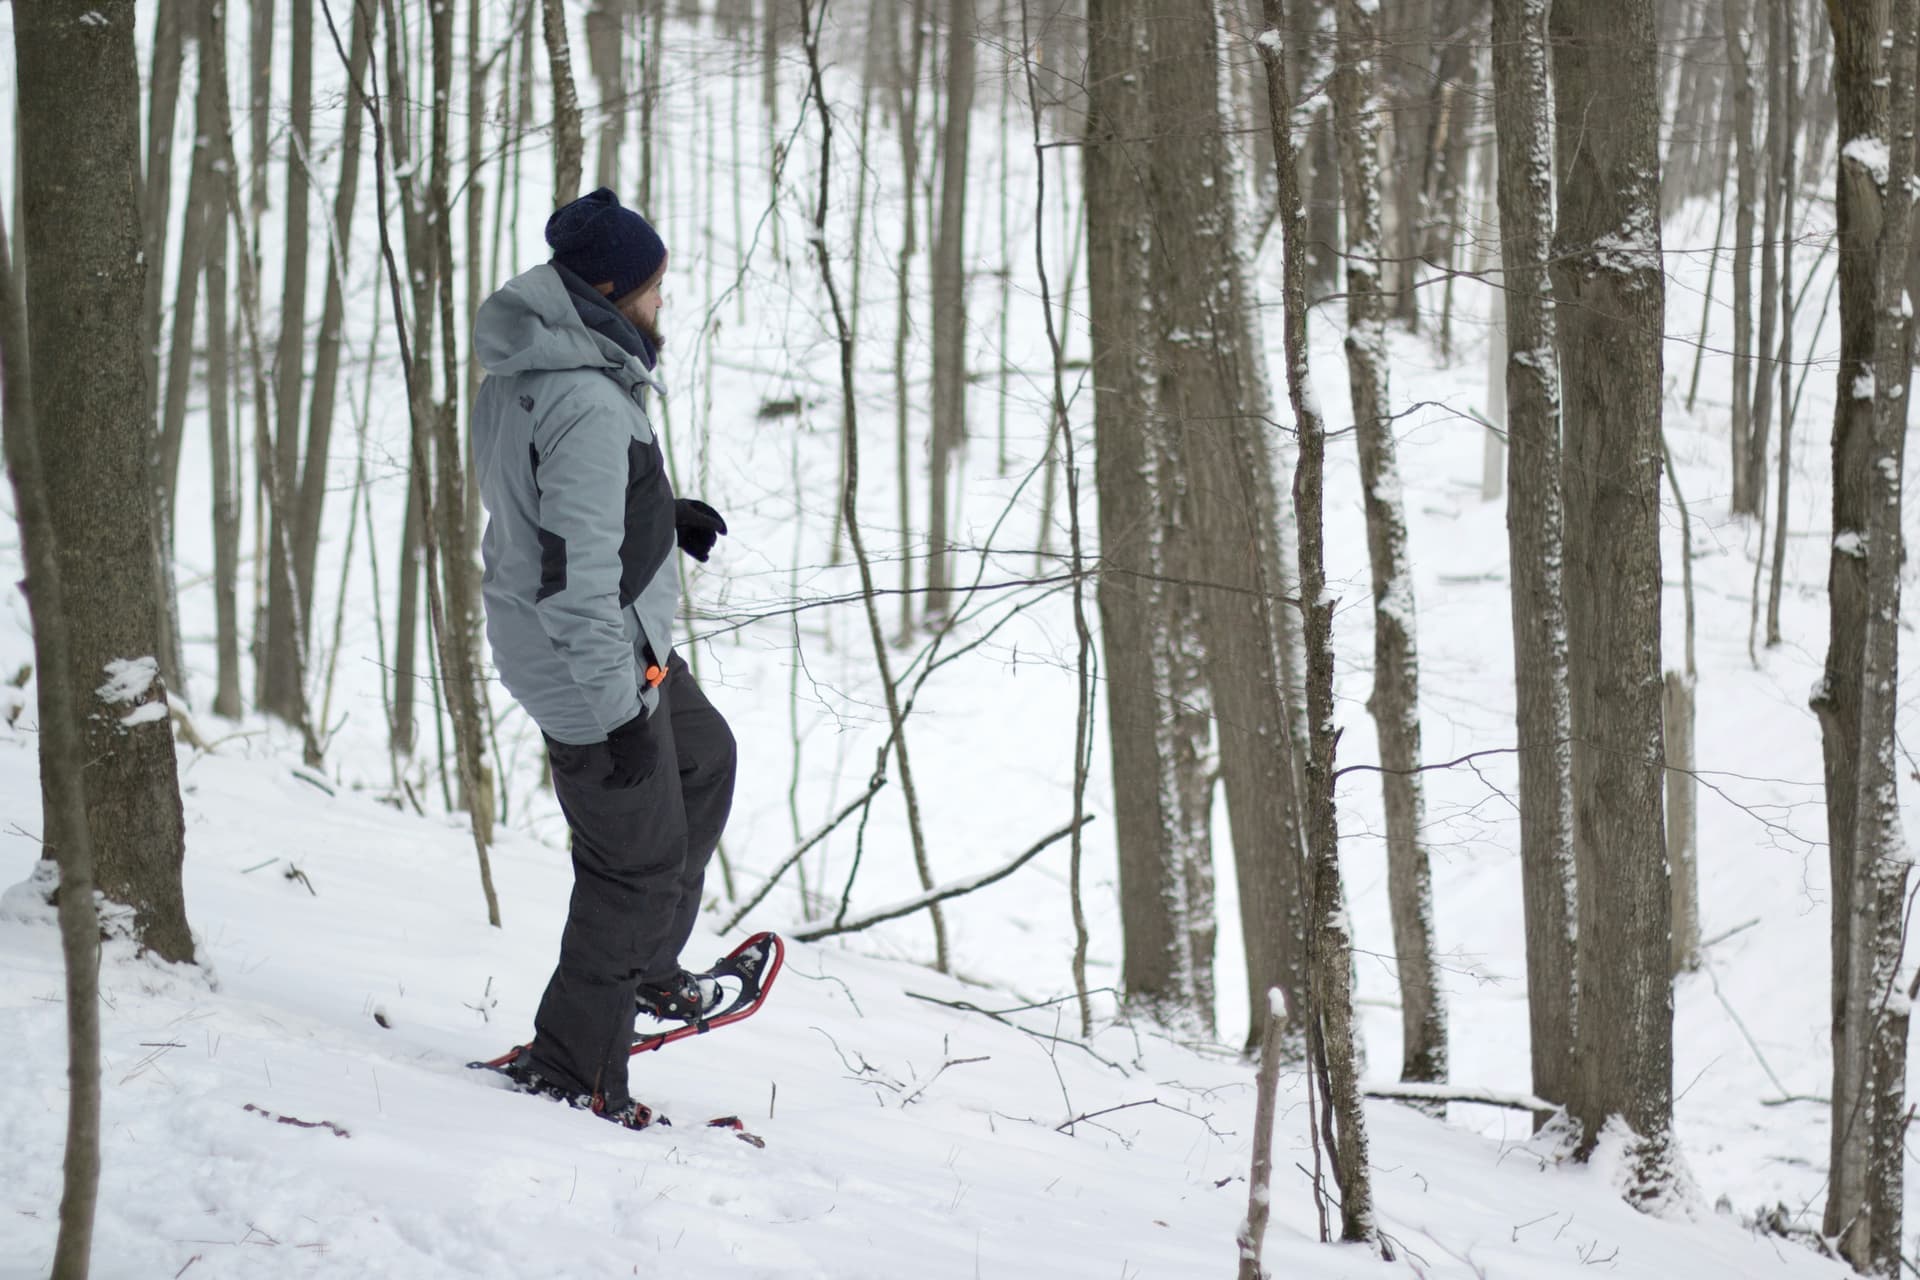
650 330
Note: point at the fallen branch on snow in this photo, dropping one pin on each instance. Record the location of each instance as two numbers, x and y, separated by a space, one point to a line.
1404 1091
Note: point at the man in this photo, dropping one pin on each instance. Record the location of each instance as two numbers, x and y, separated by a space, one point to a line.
581 590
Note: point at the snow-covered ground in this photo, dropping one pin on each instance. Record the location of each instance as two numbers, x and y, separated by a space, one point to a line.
904 1135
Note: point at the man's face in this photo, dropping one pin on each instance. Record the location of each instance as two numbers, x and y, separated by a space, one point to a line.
642 307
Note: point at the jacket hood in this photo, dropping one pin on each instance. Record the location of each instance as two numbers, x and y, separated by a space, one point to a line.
530 323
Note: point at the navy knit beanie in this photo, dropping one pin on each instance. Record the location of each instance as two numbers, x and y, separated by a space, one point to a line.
598 240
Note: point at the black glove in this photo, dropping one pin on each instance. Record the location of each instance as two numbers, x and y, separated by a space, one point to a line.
634 753
698 526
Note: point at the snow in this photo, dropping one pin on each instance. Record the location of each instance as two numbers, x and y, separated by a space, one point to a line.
906 1135
128 679
1870 153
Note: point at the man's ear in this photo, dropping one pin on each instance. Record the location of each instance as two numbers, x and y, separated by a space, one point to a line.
605 287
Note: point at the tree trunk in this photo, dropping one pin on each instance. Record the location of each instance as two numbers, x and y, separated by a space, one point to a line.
459 634
606 63
1329 1021
907 112
1610 302
312 494
1212 398
1739 35
1534 538
226 492
91 407
283 678
156 189
1874 72
259 114
949 407
1787 61
173 410
1157 706
63 752
403 734
1409 33
568 144
1395 702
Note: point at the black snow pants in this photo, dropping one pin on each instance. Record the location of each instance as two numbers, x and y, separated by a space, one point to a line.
639 861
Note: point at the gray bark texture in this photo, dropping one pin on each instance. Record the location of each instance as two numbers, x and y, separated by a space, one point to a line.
568 144
63 761
1395 701
1739 39
1329 1016
283 674
94 423
949 283
1609 296
1157 706
1874 72
1522 125
310 502
226 501
457 624
1211 398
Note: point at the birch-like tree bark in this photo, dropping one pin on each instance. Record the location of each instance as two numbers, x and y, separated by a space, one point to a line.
1523 129
94 423
1874 72
1395 702
1609 296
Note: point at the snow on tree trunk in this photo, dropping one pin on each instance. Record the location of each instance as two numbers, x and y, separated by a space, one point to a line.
1395 702
1534 533
1610 303
1158 710
1330 1026
1874 79
1211 395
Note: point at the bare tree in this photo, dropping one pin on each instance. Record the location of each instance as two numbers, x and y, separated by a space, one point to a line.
1395 702
1610 299
1158 710
1522 123
607 64
568 144
90 402
1874 72
1212 398
1334 1064
1736 20
289 600
63 752
210 96
949 406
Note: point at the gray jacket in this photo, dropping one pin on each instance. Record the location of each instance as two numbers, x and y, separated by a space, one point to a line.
581 584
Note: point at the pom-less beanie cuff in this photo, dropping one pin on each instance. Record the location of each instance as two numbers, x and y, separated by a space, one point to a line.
601 241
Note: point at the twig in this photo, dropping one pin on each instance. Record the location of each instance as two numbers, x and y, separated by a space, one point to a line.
950 1062
815 930
873 789
328 1125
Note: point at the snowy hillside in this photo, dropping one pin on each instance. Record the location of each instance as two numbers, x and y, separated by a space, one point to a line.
299 1104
